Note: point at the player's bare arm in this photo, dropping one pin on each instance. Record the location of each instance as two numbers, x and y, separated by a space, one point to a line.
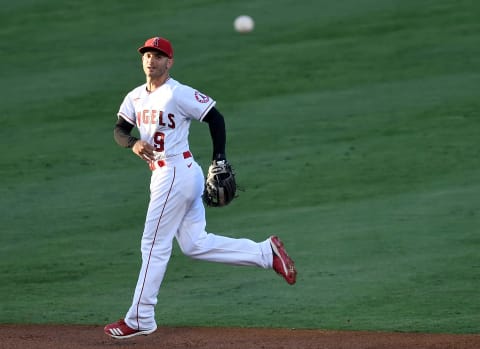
123 137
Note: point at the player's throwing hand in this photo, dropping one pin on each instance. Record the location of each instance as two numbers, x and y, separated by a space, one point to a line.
144 150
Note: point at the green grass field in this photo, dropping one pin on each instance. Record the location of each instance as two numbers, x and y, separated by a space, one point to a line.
353 127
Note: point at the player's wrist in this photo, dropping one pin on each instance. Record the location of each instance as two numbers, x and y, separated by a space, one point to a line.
132 141
219 157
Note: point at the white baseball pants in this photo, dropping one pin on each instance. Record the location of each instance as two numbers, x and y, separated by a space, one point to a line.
176 210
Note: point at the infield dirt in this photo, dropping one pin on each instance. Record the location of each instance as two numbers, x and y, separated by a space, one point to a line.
92 337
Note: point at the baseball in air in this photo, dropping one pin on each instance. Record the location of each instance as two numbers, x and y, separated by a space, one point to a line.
244 24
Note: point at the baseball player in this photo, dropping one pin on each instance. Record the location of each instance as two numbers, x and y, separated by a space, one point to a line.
162 110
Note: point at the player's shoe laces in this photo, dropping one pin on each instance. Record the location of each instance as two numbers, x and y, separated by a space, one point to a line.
121 330
282 263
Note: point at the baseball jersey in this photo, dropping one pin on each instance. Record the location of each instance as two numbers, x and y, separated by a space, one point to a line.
163 116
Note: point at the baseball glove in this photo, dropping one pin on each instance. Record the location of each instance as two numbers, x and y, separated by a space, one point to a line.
220 185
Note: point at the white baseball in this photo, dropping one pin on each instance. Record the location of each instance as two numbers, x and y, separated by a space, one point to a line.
244 24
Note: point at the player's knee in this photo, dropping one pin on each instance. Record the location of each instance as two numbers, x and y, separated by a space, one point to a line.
189 248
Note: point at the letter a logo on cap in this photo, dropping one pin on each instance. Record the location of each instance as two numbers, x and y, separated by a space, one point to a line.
158 43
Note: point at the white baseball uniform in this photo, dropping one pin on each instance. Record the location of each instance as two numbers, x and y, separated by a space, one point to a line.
176 209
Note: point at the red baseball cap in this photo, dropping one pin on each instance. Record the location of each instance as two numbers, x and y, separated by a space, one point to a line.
159 44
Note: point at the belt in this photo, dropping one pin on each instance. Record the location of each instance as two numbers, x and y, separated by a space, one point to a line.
160 163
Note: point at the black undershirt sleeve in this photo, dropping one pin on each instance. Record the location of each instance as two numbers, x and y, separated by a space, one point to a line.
122 133
216 124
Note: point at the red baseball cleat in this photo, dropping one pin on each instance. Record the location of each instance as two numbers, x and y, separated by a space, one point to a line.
120 330
282 263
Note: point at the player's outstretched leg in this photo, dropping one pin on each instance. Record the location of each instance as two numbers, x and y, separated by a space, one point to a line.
282 263
120 330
